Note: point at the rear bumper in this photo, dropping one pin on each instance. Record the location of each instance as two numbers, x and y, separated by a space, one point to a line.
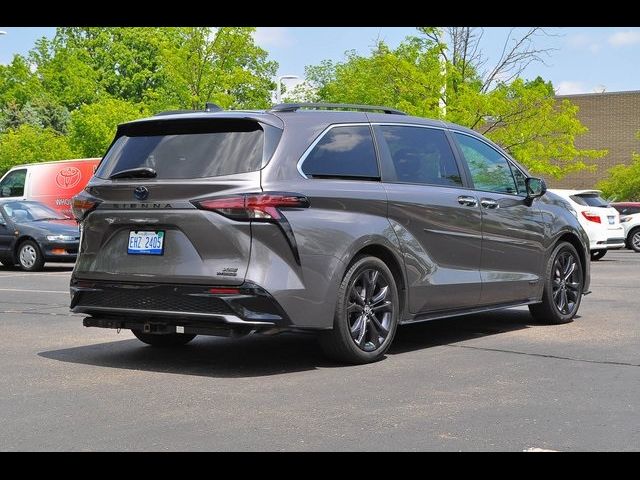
615 243
163 306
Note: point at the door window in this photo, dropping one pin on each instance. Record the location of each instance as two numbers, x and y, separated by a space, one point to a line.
489 169
13 184
421 155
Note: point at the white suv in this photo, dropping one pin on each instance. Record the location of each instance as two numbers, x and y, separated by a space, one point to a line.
630 220
599 219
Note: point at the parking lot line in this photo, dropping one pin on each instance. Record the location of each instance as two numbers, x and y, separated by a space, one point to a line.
32 291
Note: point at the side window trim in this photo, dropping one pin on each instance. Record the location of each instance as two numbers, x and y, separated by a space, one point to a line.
503 155
325 132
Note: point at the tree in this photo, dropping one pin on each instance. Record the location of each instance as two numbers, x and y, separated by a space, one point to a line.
425 76
94 126
623 182
221 65
29 143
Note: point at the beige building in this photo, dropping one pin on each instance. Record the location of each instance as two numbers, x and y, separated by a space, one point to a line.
613 120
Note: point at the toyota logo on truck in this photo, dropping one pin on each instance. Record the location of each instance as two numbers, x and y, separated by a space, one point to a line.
68 177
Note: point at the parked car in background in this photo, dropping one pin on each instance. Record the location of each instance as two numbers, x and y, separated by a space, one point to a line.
630 220
52 183
31 233
340 223
600 220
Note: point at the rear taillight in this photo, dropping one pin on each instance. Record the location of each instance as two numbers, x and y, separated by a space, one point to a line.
82 204
254 206
260 207
591 217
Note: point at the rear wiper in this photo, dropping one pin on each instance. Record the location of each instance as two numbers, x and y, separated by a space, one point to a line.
141 172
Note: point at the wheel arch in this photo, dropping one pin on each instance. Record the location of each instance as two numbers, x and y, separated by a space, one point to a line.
577 244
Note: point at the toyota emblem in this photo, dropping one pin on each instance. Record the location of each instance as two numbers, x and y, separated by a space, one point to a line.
141 193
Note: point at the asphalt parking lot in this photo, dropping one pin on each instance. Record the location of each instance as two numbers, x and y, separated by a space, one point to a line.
484 382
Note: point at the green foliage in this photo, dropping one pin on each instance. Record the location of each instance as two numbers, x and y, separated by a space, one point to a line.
521 116
94 126
86 80
29 143
623 181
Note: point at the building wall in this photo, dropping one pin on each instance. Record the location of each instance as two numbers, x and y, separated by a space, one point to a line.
613 120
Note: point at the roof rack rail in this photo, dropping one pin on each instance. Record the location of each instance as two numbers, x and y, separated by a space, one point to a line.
172 112
292 107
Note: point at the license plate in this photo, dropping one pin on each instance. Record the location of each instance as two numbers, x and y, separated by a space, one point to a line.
143 242
612 220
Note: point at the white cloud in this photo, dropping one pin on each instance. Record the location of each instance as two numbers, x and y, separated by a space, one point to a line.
582 41
569 87
621 39
273 37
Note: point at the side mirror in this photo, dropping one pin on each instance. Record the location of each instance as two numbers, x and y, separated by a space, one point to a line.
536 187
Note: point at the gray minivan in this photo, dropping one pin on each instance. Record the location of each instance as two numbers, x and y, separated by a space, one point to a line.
341 220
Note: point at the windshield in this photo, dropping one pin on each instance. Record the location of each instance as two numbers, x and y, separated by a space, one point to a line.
590 200
30 212
179 151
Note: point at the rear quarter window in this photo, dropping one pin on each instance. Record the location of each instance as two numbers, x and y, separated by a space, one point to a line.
343 152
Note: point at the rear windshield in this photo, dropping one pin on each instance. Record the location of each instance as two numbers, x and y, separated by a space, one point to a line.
177 150
589 200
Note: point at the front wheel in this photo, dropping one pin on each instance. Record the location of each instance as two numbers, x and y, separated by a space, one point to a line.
634 240
563 287
597 255
366 314
163 339
30 257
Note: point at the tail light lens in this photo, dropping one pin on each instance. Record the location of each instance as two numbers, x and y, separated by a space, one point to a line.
254 206
82 204
591 217
261 207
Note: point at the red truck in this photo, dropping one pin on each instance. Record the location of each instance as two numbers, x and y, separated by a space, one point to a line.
52 183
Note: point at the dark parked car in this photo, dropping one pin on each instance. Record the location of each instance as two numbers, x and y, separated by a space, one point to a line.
31 234
299 218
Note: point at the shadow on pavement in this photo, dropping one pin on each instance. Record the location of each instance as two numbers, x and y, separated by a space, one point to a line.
259 355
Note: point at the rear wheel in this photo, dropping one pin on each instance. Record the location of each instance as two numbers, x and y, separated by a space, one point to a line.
30 257
163 339
597 255
366 314
633 240
563 287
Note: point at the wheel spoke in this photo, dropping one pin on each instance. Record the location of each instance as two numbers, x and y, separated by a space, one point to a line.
574 286
386 305
354 308
563 299
378 327
380 296
357 326
569 271
357 296
363 330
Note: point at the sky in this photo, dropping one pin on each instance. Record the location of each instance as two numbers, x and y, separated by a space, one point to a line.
584 60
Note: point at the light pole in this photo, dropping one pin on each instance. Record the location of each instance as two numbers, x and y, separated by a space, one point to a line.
279 87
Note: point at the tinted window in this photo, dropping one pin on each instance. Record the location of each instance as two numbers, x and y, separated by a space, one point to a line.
421 155
343 152
490 171
13 184
626 210
188 151
589 199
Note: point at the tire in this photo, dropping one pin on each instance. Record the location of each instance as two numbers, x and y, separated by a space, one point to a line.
597 255
633 239
30 257
563 287
163 339
358 337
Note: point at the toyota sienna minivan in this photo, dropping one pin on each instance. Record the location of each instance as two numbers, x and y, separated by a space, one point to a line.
339 220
